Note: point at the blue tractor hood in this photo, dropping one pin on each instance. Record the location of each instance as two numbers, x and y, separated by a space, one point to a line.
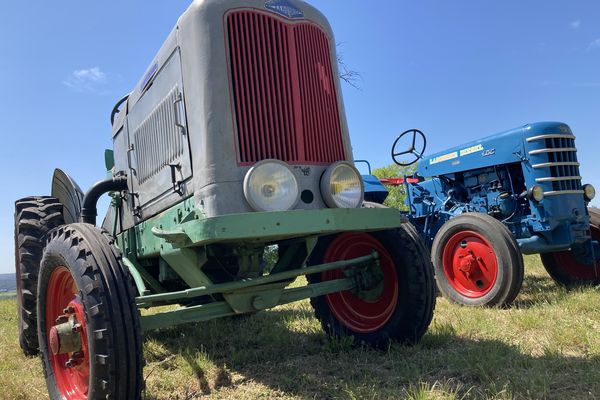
502 148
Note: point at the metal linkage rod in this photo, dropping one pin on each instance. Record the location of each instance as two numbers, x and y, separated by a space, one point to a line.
246 283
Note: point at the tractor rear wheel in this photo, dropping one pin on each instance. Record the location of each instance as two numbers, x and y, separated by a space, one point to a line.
564 267
88 324
403 308
34 218
477 261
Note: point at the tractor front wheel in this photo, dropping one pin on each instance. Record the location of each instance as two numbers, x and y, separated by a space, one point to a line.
400 310
477 261
88 325
567 270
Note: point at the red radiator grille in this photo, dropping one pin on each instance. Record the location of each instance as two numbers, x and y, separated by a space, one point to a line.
284 92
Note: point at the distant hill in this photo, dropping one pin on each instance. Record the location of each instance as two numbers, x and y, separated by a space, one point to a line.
8 283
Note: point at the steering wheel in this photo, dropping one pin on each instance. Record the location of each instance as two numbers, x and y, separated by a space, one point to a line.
416 148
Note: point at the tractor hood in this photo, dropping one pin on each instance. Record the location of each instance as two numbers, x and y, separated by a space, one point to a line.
502 148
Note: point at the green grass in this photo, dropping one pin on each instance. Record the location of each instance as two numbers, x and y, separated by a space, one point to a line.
546 346
7 295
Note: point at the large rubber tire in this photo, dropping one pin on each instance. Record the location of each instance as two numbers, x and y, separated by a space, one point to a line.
83 269
404 310
34 218
564 268
477 261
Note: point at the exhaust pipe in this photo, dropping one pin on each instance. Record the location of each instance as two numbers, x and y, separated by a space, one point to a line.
89 210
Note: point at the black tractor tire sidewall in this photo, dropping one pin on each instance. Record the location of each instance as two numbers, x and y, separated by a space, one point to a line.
112 319
508 256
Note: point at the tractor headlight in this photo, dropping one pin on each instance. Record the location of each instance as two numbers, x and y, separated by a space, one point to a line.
270 185
536 193
342 186
589 192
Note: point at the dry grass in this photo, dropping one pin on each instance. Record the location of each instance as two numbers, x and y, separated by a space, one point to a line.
546 346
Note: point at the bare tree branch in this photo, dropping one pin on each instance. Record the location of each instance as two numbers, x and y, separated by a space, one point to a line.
347 74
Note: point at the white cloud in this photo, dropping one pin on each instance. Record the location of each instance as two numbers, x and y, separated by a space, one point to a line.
594 45
90 80
575 24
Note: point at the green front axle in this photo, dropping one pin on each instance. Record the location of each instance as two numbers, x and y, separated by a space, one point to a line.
362 276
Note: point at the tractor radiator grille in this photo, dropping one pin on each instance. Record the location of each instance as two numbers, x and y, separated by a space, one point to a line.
562 163
283 91
159 141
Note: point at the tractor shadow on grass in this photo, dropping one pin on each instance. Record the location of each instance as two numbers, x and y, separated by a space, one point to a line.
539 291
283 352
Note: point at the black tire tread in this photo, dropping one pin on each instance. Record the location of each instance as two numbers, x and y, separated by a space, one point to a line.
35 217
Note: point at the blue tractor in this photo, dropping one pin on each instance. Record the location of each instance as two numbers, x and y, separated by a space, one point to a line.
482 205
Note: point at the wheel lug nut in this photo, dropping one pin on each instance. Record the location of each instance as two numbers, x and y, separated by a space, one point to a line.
69 310
75 359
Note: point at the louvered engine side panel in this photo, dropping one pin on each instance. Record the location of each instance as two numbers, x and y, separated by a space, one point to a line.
159 142
283 90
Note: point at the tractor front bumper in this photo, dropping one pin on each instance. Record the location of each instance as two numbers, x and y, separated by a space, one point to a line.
261 227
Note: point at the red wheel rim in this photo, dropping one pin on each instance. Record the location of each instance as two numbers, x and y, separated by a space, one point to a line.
359 315
574 269
72 383
470 264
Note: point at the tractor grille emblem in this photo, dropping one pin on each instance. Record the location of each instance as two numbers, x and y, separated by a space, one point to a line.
284 8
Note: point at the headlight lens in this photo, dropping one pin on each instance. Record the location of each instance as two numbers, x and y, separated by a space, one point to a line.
536 193
589 192
270 185
342 186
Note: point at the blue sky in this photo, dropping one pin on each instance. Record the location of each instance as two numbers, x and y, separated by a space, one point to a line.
458 70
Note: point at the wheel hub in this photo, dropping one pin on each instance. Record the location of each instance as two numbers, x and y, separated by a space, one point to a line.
470 264
368 279
65 337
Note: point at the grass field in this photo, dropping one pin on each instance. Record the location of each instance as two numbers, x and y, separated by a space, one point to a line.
546 346
7 295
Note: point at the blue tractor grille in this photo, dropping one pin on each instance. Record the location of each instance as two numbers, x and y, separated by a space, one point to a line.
562 165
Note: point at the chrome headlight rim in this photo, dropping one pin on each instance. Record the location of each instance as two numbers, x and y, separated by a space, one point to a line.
325 184
589 192
536 193
249 193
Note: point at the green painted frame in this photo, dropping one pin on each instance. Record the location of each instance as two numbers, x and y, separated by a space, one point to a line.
180 237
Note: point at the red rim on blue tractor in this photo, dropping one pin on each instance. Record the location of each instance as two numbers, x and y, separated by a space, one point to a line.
470 264
63 306
361 315
568 265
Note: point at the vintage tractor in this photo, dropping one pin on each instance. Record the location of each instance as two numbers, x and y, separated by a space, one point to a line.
234 142
487 202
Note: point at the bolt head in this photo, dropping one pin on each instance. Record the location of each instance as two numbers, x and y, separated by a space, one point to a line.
69 310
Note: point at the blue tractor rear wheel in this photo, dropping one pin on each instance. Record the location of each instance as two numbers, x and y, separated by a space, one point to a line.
567 270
